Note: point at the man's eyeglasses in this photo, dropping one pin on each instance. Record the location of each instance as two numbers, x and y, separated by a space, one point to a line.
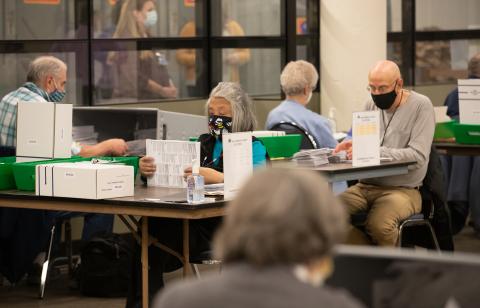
380 89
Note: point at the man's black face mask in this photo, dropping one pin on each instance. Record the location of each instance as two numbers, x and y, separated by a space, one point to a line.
385 101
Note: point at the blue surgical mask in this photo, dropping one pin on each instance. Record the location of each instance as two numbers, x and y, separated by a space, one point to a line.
151 19
56 96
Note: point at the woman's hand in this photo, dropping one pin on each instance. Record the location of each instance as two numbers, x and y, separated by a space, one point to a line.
211 176
147 166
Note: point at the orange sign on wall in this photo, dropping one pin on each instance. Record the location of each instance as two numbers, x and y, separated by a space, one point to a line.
49 2
189 3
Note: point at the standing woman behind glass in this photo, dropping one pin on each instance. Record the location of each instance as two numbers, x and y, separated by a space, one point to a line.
140 74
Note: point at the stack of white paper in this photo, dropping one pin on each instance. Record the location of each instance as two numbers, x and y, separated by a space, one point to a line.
171 158
268 133
312 158
85 134
146 133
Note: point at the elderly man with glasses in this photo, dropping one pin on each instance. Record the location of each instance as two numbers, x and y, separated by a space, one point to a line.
407 123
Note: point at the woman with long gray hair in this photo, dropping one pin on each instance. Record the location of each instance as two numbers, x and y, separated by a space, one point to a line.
229 110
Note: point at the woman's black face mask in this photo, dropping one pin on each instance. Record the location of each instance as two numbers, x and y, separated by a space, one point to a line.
385 101
219 125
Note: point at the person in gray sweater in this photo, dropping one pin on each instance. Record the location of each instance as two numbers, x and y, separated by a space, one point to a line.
275 243
407 124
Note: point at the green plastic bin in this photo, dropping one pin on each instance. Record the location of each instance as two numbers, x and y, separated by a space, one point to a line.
282 146
24 173
7 181
444 130
467 133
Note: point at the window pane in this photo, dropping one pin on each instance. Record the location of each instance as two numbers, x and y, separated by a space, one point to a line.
17 66
124 19
447 14
22 21
258 71
394 15
443 61
247 18
125 75
308 52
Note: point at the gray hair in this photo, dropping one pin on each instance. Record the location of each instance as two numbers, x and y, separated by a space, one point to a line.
296 76
243 111
44 66
474 66
281 216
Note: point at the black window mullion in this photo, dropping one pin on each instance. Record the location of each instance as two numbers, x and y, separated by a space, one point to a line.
408 42
89 88
202 17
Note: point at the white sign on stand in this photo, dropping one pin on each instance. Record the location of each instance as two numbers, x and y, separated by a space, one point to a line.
237 161
366 138
469 101
171 158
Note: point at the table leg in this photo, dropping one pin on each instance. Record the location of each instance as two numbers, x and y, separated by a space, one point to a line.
145 243
186 248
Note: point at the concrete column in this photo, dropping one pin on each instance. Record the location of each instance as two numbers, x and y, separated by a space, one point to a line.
353 36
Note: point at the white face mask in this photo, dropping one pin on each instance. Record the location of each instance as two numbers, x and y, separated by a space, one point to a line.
151 19
309 97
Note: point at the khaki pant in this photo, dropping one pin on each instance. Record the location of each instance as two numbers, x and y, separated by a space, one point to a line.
387 207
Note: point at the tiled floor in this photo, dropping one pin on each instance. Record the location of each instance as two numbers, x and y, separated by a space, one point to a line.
59 296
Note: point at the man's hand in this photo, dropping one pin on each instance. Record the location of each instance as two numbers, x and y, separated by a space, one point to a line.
110 147
147 166
346 146
117 147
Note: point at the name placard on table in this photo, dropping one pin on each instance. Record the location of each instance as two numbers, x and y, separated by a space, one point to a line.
237 161
366 138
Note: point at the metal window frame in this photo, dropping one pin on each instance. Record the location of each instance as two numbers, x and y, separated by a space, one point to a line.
85 44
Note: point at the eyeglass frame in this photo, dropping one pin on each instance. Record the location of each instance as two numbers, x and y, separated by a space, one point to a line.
372 89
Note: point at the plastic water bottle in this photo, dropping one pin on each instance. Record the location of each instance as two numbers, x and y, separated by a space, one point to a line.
331 119
195 185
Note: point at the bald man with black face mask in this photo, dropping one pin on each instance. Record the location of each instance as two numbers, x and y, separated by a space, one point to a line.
407 123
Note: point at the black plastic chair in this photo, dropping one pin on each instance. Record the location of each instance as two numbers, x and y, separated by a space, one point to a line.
308 142
48 264
420 220
433 216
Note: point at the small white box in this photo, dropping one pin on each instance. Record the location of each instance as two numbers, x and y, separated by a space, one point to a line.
44 129
82 180
469 101
44 180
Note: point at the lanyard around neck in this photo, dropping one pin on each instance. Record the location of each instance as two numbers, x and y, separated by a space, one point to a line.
390 121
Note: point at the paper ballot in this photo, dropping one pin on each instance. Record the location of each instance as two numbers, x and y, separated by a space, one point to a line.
237 161
366 138
469 101
171 158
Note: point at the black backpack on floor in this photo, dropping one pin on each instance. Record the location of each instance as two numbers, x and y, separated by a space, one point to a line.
105 269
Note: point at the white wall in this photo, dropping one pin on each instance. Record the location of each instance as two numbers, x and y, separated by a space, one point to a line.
353 37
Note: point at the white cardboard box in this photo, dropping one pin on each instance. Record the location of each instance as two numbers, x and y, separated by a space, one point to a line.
44 129
469 101
83 180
